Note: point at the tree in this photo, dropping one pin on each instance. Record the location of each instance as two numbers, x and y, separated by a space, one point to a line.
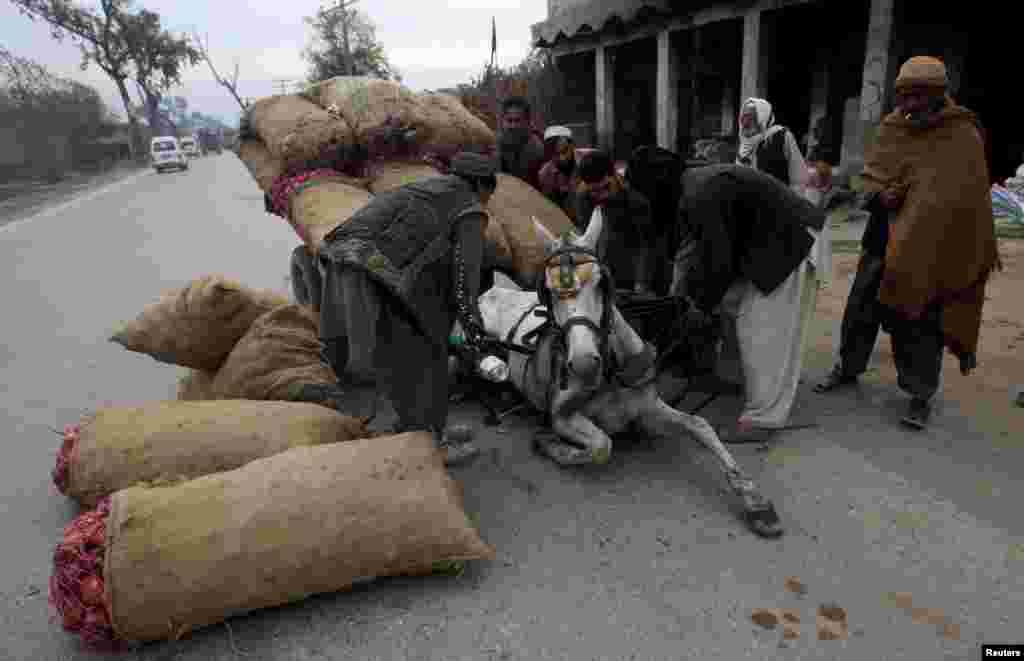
230 84
345 44
122 44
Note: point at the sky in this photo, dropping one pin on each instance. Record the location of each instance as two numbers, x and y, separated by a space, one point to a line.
433 44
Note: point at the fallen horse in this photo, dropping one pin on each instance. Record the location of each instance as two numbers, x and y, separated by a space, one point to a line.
591 372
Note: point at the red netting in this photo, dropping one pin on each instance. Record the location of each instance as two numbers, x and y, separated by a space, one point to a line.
64 454
76 585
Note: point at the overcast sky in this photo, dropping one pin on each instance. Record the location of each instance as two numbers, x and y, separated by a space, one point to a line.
434 44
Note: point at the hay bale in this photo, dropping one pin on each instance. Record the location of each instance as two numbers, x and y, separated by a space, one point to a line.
262 165
197 326
452 127
278 530
118 447
366 103
279 354
513 205
318 209
297 131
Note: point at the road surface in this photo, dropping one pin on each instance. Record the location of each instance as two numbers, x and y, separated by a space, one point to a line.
641 559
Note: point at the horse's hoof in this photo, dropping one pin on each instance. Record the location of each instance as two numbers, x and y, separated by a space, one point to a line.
764 521
561 452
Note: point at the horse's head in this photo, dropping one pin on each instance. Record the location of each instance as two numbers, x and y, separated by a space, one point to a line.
578 294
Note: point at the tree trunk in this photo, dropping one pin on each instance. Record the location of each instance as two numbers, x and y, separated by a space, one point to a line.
133 122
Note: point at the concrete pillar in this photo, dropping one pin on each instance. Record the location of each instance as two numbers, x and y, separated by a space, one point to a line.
750 85
604 97
876 61
667 93
876 80
729 110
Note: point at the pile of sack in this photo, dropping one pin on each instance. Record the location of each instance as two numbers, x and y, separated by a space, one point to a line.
218 504
296 146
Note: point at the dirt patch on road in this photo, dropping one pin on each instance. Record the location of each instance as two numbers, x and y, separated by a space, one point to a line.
985 394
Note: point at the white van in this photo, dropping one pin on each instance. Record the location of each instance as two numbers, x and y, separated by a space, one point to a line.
191 147
167 154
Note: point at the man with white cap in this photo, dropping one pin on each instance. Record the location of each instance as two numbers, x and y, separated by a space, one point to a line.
558 178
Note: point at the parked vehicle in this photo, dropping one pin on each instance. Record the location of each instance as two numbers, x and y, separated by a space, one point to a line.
167 154
191 147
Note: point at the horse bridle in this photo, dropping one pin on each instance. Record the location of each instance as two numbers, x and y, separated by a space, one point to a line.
567 280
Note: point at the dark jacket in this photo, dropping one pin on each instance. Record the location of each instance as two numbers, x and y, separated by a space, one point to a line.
771 157
876 233
629 235
747 224
403 239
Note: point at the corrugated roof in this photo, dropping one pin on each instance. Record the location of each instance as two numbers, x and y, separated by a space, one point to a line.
593 16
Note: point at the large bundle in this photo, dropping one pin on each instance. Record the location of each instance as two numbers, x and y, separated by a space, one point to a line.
452 127
118 447
279 355
513 205
322 206
296 130
278 530
366 104
262 165
196 385
198 325
392 175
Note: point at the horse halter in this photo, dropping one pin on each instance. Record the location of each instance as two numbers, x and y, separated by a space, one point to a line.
569 286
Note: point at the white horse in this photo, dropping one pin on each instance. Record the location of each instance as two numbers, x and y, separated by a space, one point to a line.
592 372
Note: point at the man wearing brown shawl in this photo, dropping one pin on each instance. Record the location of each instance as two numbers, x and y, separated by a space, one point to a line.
928 169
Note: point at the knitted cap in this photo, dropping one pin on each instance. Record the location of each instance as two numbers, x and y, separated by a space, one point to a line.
922 71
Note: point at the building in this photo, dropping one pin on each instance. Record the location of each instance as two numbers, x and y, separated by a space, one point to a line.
674 72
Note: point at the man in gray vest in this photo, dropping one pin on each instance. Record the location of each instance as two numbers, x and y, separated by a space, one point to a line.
395 277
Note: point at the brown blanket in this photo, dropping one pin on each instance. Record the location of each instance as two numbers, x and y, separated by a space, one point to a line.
942 245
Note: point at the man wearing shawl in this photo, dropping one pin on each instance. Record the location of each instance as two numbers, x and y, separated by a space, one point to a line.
928 168
745 248
559 178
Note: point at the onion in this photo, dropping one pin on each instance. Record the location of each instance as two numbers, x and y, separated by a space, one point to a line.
92 590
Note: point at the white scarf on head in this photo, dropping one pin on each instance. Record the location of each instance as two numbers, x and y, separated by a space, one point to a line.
765 124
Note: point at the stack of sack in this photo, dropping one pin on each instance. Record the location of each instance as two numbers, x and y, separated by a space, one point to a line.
219 505
292 140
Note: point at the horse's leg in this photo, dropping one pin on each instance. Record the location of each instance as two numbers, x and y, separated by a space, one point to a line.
576 440
759 513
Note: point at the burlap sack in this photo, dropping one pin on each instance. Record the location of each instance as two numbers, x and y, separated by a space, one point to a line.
263 167
320 208
280 353
195 386
367 103
296 130
198 325
391 175
513 205
452 127
281 529
119 447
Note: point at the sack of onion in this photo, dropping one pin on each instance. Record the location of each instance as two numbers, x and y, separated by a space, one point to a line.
159 442
310 520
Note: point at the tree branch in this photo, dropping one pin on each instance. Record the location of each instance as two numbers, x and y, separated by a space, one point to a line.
232 85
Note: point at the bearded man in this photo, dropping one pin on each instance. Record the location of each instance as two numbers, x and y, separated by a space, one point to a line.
929 171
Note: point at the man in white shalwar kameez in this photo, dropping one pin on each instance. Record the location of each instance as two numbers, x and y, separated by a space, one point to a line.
747 252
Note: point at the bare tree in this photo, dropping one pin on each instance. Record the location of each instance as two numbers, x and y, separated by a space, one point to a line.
230 84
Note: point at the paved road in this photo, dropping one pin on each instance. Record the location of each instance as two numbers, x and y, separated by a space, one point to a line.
642 559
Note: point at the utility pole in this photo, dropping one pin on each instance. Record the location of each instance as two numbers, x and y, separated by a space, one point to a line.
343 7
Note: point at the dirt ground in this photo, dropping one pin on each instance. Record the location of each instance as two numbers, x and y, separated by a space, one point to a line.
985 395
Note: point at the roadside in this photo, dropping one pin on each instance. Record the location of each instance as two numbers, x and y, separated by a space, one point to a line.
20 199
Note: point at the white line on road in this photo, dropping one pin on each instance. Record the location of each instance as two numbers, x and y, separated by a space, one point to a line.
78 199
